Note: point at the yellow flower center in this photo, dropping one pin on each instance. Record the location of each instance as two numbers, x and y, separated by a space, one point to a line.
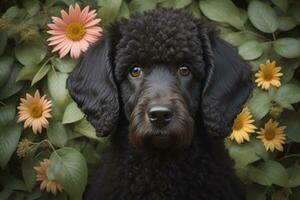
238 125
75 31
36 111
270 134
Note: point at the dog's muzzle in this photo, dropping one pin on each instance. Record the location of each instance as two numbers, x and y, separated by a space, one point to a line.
161 123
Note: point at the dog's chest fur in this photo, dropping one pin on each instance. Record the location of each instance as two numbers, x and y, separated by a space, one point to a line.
196 174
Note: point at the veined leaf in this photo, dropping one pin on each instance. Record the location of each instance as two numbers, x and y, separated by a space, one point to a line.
69 168
57 134
262 16
6 64
223 11
9 137
72 114
287 47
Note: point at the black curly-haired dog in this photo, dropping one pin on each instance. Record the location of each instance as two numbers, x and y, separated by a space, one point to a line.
167 90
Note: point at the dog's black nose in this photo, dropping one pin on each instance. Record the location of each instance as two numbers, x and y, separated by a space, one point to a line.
160 115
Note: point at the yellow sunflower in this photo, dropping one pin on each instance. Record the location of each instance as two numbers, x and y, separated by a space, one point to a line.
49 185
272 136
268 75
242 126
34 111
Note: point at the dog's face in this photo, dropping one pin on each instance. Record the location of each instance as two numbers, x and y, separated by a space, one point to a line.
160 102
163 69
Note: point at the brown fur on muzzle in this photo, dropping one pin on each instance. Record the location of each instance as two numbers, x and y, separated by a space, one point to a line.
177 134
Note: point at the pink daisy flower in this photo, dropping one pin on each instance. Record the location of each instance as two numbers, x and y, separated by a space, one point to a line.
74 32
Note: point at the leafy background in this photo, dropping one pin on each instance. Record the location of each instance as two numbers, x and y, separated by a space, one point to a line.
261 30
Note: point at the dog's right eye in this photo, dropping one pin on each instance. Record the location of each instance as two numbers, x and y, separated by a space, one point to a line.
135 72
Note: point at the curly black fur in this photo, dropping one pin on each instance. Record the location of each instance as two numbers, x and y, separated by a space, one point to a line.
193 164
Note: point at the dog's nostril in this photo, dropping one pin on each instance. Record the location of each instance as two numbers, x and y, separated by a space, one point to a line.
168 116
160 116
152 116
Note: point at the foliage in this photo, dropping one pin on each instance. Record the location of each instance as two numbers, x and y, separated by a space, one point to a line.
259 29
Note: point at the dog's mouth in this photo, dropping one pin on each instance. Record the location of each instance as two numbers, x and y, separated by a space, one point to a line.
159 141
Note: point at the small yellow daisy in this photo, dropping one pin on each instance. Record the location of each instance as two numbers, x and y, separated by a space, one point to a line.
272 136
268 75
242 126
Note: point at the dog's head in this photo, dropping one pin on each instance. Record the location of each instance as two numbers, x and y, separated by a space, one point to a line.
164 70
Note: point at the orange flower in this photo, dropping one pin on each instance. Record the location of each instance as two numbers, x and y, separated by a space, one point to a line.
49 185
34 111
74 31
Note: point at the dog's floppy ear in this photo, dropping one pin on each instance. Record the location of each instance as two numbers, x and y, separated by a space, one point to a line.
92 86
227 83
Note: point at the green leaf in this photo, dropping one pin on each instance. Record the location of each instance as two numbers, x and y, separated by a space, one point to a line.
194 9
291 120
9 137
91 154
223 11
287 47
259 105
69 168
72 114
55 10
294 176
5 193
272 92
250 50
282 4
5 69
237 38
57 88
85 128
14 183
3 42
294 11
109 10
69 2
28 173
256 192
56 112
124 11
7 115
32 7
141 5
262 16
268 173
27 72
65 65
35 195
175 3
30 53
247 153
41 73
12 12
57 134
11 87
287 95
287 23
288 69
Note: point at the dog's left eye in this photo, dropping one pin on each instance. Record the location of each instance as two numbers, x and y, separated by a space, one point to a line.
184 71
135 72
